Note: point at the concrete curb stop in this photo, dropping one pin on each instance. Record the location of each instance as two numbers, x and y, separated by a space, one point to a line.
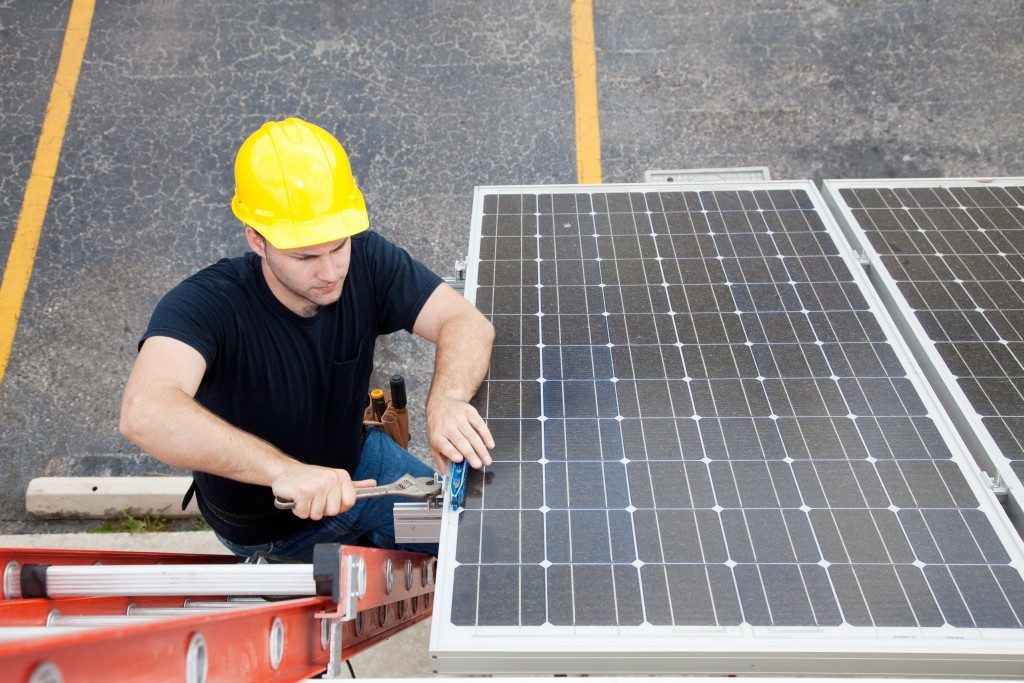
108 497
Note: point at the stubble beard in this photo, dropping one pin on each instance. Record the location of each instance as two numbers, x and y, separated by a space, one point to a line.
315 300
321 300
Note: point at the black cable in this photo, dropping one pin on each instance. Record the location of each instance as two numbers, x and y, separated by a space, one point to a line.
350 669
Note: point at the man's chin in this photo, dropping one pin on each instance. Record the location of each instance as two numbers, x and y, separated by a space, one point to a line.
321 298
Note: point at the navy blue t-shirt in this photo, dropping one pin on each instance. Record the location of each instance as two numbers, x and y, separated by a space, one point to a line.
298 383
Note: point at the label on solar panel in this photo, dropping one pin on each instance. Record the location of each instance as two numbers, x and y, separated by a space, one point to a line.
952 255
709 448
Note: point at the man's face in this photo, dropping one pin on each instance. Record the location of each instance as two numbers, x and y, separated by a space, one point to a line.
307 277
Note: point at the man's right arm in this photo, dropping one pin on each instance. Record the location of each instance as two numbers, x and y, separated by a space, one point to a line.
160 415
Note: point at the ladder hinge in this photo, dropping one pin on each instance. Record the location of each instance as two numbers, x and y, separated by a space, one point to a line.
353 585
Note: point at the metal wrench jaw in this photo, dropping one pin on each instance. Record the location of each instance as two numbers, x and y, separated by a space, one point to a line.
406 486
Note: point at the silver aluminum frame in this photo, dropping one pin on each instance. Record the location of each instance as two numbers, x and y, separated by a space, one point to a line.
979 441
417 522
686 679
744 649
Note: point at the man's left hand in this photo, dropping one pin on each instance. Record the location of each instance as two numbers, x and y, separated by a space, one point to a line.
456 432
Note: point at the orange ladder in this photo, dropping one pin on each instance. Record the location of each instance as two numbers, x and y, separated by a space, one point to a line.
70 615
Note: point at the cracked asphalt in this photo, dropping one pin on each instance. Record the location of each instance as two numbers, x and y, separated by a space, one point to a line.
431 99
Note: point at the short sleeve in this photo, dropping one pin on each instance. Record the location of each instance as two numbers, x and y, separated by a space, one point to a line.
401 284
194 315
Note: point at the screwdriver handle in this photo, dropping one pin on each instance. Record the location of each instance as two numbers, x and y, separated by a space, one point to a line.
380 405
398 399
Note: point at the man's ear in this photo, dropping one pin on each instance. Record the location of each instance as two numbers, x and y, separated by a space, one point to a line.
257 242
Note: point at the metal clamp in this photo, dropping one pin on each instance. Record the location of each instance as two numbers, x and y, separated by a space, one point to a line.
458 484
458 278
999 488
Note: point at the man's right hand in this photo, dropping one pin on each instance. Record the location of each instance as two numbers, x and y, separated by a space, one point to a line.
318 492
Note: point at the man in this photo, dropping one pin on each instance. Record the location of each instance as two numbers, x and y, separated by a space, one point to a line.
254 372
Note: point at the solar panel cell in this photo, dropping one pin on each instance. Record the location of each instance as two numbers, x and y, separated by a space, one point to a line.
712 427
955 251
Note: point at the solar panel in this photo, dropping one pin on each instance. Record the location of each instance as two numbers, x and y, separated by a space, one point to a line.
711 448
950 254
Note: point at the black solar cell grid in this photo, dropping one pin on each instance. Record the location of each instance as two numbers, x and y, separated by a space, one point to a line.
957 256
700 421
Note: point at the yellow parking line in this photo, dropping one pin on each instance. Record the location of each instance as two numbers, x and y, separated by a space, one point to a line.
40 180
584 70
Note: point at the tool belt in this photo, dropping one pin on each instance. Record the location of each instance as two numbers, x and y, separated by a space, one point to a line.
395 423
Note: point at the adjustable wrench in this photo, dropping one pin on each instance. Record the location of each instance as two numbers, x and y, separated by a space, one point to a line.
406 486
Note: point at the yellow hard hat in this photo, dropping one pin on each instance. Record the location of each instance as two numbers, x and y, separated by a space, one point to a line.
294 186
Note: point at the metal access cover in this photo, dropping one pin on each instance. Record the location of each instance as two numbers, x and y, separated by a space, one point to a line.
709 175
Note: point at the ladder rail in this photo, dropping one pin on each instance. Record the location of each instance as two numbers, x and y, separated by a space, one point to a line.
165 649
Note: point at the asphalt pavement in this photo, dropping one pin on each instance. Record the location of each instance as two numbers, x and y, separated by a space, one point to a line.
430 99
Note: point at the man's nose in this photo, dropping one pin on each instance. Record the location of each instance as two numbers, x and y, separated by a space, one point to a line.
329 269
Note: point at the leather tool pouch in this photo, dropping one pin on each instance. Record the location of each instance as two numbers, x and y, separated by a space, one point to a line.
394 423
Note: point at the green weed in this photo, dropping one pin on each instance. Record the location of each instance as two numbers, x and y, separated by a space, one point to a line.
132 524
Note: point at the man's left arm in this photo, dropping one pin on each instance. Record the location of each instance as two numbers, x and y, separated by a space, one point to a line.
463 337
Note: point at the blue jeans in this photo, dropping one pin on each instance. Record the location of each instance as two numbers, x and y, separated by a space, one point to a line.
369 522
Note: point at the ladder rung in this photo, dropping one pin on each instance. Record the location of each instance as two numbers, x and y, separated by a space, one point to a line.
174 611
224 604
8 633
167 579
97 620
